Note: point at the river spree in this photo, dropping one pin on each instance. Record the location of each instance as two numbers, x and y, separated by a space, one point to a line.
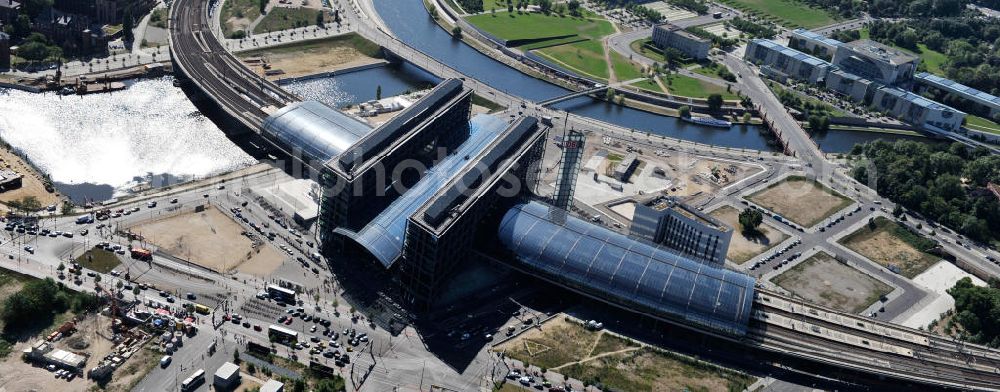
91 145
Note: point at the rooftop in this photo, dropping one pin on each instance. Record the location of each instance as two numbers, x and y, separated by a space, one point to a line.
319 131
958 88
680 31
661 203
9 4
886 53
625 271
817 37
227 370
917 99
786 51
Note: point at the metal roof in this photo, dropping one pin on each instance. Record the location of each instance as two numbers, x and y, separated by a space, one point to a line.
626 271
319 131
227 371
817 37
878 50
958 88
918 100
789 52
383 237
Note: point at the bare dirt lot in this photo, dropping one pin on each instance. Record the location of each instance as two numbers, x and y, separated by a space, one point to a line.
801 200
211 239
822 280
18 375
318 56
892 247
744 247
32 184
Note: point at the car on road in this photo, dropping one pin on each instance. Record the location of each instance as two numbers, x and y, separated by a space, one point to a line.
165 361
173 201
29 249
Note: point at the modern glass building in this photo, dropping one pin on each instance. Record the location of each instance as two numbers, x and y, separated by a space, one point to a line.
314 131
625 272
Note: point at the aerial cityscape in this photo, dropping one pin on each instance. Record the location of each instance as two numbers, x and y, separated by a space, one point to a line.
499 195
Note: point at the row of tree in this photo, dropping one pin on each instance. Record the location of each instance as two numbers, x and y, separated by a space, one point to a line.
945 183
977 311
37 303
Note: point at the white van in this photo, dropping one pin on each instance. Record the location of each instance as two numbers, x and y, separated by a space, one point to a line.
165 361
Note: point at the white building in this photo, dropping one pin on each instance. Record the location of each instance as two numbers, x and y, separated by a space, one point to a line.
814 43
227 377
272 385
988 104
848 84
784 62
672 36
917 110
877 62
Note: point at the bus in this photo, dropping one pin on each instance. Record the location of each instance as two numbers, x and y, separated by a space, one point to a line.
194 381
282 294
282 335
202 309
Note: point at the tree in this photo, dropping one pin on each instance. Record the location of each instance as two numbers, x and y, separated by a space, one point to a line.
715 102
574 7
66 208
319 19
127 26
545 6
61 267
456 32
299 385
236 356
750 219
336 17
330 385
378 92
684 111
263 6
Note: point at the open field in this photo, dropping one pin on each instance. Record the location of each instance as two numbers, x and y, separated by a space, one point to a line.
32 182
99 260
284 18
690 87
646 369
317 56
824 281
558 342
209 238
624 69
540 30
585 57
744 247
790 13
892 246
801 200
648 84
238 14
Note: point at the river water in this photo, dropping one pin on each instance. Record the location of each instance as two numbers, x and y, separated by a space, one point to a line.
411 23
94 144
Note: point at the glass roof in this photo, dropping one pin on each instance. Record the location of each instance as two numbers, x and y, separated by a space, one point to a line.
625 271
319 131
383 236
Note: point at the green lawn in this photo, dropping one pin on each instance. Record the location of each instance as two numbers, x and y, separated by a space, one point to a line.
625 69
648 84
350 40
787 12
238 9
690 87
585 57
538 30
281 18
981 124
99 260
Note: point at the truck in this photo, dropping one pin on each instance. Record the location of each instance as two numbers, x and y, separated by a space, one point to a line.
202 309
85 219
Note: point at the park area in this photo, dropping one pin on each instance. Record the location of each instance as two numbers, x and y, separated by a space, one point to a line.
601 358
822 280
892 246
803 201
316 56
743 247
573 43
790 13
211 239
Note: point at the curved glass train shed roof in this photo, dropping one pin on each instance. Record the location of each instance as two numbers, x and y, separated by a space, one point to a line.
383 236
625 271
320 131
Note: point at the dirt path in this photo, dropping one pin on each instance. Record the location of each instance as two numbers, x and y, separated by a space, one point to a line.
598 356
659 82
612 78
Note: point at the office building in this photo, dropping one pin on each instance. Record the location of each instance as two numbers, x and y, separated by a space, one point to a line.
227 377
4 51
666 221
783 62
623 170
813 43
672 36
356 181
876 62
272 385
917 110
850 85
980 103
440 234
